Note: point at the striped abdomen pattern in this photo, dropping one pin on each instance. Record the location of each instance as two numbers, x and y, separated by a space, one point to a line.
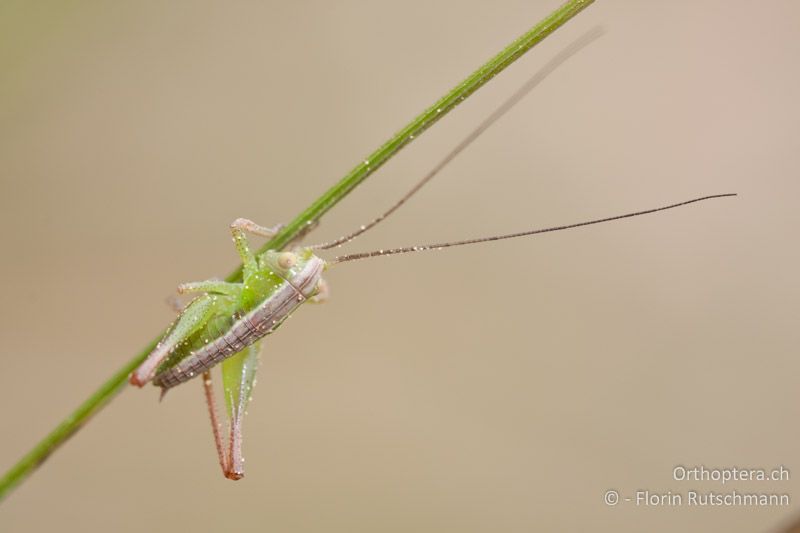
248 329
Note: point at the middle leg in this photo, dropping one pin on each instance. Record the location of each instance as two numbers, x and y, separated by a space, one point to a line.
211 285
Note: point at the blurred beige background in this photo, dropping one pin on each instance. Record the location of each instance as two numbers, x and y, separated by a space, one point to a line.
535 375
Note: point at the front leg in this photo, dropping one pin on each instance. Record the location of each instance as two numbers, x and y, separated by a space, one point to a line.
238 229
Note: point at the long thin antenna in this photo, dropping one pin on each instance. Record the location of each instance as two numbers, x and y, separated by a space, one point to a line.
426 247
535 80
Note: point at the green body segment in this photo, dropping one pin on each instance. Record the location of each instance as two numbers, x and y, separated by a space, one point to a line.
279 283
210 316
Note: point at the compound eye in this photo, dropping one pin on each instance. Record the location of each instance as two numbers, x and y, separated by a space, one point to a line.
287 260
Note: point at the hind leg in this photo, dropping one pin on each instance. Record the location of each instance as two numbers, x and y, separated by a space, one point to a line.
216 427
238 380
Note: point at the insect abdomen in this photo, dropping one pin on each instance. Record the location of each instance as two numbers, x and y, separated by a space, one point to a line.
248 329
